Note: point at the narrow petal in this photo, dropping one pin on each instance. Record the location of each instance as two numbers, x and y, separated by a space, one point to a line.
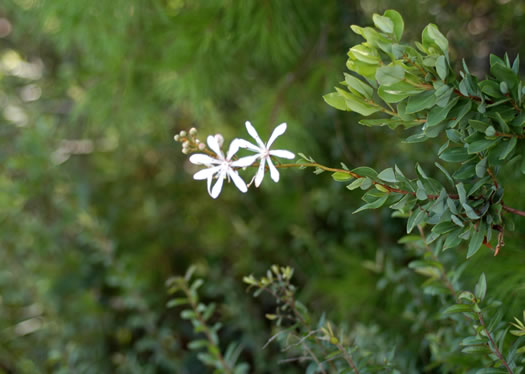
260 173
237 180
214 146
278 131
208 183
282 153
253 134
216 190
234 147
246 144
245 161
273 171
206 173
202 159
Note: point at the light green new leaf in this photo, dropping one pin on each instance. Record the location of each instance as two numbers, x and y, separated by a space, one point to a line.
397 20
432 35
357 104
341 177
384 24
359 86
335 100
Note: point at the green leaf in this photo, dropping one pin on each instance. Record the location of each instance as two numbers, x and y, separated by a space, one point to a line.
440 167
444 227
357 104
480 290
484 349
490 131
421 101
373 205
481 145
421 194
397 20
511 144
481 168
365 171
455 155
469 211
478 125
335 100
359 86
503 73
437 114
432 35
459 308
388 175
463 111
341 177
355 184
384 24
490 88
390 122
365 54
475 241
398 91
415 218
441 67
389 75
461 193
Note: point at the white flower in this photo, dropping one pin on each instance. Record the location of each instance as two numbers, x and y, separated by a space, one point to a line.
264 153
221 167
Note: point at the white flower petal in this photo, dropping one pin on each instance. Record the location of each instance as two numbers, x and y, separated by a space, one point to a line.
237 180
245 161
282 153
278 131
208 184
234 147
206 173
246 144
216 190
214 146
274 174
253 134
202 159
260 173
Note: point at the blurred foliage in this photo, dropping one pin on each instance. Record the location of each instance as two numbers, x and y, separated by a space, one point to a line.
98 208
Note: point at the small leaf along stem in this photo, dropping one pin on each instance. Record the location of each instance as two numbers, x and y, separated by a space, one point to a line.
443 274
387 187
494 346
205 329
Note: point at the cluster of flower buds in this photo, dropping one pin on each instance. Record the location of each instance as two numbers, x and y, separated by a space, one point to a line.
189 140
220 166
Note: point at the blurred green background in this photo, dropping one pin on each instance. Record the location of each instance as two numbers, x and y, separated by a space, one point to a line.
98 206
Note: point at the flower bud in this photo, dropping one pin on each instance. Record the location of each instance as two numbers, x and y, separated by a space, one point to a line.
186 144
202 146
176 137
182 133
185 151
220 139
193 131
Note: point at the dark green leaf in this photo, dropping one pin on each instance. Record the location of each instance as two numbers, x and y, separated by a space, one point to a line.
421 101
475 241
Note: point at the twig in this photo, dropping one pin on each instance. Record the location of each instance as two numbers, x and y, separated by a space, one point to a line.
494 346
